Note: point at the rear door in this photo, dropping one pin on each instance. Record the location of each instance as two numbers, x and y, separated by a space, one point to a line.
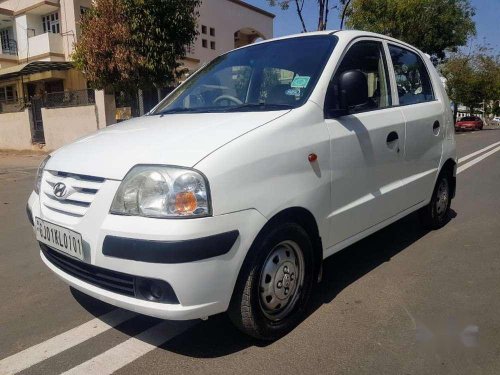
367 148
425 123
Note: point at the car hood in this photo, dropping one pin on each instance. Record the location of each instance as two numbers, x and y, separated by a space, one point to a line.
176 139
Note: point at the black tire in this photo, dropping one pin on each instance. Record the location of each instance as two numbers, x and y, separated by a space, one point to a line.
246 310
436 214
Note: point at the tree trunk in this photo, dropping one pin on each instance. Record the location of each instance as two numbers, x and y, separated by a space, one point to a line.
321 4
299 12
326 15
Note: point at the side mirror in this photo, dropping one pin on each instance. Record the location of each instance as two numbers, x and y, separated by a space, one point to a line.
353 89
349 91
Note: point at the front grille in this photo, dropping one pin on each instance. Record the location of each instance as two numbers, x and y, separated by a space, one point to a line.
103 278
82 190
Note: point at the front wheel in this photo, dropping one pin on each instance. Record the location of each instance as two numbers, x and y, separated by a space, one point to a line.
275 283
436 213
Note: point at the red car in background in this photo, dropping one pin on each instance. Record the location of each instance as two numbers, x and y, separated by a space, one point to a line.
469 123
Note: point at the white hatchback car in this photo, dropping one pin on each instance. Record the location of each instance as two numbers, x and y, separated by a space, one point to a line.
230 193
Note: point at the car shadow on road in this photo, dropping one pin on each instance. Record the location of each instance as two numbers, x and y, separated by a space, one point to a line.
217 337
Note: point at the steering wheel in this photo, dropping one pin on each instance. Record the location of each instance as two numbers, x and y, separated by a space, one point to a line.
231 98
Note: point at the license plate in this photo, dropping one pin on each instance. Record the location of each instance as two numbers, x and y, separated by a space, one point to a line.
60 238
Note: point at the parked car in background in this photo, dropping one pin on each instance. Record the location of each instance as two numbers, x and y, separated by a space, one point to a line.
496 120
230 193
469 123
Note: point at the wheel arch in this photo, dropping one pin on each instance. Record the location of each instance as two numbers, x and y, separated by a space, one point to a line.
300 216
306 220
449 167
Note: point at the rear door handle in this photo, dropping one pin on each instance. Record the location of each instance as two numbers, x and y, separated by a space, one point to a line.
436 125
392 141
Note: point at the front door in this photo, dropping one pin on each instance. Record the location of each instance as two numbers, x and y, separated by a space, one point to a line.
367 148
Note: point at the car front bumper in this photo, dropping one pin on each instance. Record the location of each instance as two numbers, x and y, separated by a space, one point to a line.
203 285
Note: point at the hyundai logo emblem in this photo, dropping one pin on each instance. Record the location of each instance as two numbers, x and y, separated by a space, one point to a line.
60 190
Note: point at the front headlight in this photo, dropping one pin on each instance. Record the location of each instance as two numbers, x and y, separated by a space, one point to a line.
162 192
39 174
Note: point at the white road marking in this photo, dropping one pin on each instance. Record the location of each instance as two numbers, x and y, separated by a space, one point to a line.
57 344
469 164
131 349
467 157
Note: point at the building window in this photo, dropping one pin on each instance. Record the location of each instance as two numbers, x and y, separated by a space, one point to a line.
203 29
7 94
50 23
212 31
212 45
190 48
4 38
204 43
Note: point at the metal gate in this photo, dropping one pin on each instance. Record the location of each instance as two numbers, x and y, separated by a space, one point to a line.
36 111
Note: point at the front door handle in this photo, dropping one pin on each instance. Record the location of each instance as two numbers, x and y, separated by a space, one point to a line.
393 136
392 141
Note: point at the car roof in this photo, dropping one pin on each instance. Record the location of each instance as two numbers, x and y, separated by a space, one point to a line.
341 34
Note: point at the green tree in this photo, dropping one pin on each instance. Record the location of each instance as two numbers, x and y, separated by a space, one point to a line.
473 78
434 26
134 43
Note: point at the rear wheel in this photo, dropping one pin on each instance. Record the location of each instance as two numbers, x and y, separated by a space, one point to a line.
436 213
275 283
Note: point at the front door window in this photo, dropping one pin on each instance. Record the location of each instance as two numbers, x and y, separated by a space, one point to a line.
369 58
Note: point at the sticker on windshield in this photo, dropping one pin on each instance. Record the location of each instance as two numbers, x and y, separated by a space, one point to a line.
292 92
300 82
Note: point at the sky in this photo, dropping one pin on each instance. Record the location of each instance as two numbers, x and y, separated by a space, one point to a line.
287 22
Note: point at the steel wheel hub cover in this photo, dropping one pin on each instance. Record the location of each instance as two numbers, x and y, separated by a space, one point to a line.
281 280
442 198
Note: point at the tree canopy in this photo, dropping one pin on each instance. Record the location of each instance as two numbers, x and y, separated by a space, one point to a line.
472 78
434 26
134 43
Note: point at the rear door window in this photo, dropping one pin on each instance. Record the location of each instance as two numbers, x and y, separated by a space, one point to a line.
412 79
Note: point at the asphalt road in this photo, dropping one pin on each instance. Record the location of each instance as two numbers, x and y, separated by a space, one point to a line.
402 301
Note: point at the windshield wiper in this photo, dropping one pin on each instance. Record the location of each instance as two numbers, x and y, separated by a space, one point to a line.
259 107
237 108
176 110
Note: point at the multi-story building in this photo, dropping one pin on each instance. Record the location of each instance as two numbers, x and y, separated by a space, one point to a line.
37 39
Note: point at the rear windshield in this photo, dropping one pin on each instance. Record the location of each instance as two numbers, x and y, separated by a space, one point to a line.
469 118
268 76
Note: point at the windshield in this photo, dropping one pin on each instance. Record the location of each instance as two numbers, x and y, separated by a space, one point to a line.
263 77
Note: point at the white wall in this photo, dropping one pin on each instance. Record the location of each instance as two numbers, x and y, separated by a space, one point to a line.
43 44
106 108
15 132
70 18
227 18
65 125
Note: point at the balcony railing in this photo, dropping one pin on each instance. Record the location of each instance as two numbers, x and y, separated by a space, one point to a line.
9 47
69 98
